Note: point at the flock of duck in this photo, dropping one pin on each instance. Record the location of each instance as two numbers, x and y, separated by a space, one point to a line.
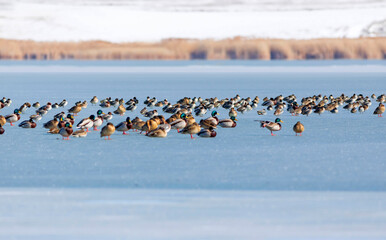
183 114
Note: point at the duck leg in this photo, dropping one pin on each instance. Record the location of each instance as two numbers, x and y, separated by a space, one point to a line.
272 134
11 124
191 136
109 138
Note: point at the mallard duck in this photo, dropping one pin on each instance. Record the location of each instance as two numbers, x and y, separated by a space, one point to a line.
353 110
191 129
278 112
120 110
2 120
75 109
228 123
124 126
298 128
179 123
55 106
206 133
86 123
94 100
70 119
51 124
150 125
380 110
232 113
108 116
11 118
63 103
361 109
206 124
28 124
66 131
214 118
138 123
79 133
158 133
107 131
98 120
1 129
272 126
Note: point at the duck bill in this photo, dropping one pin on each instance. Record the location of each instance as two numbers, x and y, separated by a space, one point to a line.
281 121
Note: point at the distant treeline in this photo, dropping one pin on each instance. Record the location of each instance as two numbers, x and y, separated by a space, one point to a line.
185 49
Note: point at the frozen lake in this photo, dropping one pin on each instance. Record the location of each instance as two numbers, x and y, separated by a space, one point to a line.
244 184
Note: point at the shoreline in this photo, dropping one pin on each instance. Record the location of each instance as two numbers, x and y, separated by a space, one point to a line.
237 48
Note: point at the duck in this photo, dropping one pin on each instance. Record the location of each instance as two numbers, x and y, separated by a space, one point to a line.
298 128
51 124
2 120
120 110
107 131
272 126
207 133
63 103
131 107
94 100
75 109
149 125
84 104
158 133
36 105
214 118
191 129
70 119
262 112
55 106
86 123
28 124
79 133
66 131
108 116
98 120
179 123
138 123
228 123
278 112
11 118
206 124
54 130
105 104
2 131
143 111
151 114
232 113
380 110
24 107
124 126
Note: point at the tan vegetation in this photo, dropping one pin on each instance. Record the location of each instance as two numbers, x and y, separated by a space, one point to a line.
235 48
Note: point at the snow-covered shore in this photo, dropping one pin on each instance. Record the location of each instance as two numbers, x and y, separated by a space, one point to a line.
122 21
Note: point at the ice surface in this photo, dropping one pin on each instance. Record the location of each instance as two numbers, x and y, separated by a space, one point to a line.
120 21
235 186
